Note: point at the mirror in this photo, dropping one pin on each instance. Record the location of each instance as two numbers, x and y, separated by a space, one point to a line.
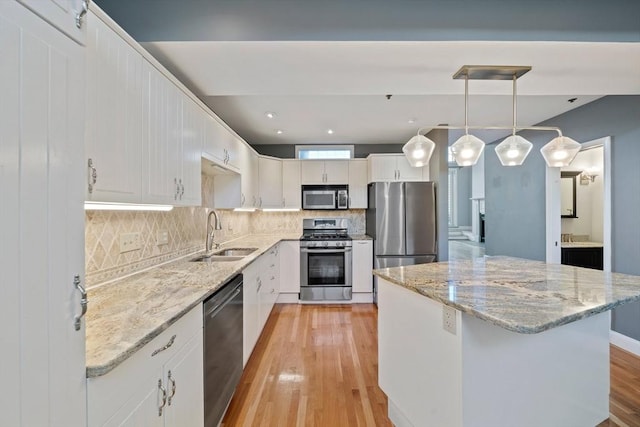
568 194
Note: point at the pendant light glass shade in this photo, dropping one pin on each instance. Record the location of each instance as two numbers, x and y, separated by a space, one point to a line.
560 151
513 150
467 150
418 150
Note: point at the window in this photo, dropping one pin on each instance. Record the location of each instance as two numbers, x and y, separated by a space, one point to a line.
312 152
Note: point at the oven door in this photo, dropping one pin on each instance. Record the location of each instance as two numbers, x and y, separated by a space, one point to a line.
318 199
325 267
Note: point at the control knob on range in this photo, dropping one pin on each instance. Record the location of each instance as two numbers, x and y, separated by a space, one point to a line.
325 244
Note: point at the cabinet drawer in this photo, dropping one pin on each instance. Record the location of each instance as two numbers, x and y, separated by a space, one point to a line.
108 393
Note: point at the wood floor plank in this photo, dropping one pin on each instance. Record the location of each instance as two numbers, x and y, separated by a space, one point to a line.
317 366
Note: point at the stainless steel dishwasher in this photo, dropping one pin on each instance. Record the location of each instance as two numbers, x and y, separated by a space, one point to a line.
222 349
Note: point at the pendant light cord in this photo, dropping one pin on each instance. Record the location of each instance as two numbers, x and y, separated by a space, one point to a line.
466 104
515 103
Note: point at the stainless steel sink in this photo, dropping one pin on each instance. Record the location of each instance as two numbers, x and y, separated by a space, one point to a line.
241 252
230 254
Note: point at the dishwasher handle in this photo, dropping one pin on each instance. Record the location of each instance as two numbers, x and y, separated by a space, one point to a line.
213 311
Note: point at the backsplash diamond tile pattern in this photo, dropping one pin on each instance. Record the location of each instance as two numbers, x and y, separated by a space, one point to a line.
186 227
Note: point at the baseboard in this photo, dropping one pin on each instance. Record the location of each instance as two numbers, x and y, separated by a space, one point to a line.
624 342
356 298
288 298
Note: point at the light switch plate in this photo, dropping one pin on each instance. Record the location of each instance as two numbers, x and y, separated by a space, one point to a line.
162 238
449 319
130 242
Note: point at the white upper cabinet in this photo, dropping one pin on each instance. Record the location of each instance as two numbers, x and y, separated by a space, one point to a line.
358 184
192 132
325 172
394 167
69 16
249 166
221 145
113 138
291 191
270 182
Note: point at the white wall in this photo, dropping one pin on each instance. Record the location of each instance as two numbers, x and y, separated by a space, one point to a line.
589 197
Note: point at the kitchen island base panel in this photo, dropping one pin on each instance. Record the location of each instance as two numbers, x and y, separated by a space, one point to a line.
487 375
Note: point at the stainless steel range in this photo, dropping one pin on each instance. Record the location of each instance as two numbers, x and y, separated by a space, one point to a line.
325 260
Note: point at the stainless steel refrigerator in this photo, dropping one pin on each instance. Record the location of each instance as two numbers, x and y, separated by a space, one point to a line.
401 218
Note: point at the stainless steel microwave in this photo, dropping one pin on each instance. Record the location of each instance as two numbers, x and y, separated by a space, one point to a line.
325 197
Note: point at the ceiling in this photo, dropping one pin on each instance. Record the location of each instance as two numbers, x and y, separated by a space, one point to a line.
313 82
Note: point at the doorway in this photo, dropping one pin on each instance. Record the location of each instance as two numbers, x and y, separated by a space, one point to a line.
593 202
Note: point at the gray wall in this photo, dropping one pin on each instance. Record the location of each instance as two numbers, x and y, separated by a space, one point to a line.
439 172
288 151
615 116
464 196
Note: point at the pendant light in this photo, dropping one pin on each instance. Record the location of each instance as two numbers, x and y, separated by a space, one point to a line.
514 149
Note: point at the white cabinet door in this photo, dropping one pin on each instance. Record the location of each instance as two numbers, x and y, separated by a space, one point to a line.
142 408
270 278
406 172
336 171
291 191
382 168
114 115
221 145
189 160
312 172
270 182
290 266
185 392
362 262
42 182
62 14
250 308
358 184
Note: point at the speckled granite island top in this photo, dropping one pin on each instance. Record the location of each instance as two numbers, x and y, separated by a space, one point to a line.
517 294
126 314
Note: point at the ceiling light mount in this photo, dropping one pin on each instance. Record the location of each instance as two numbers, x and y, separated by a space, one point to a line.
513 150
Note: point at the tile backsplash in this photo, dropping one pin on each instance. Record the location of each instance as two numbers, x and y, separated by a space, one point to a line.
186 228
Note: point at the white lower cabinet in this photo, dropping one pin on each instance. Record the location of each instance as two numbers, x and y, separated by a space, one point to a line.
261 288
289 270
362 263
160 385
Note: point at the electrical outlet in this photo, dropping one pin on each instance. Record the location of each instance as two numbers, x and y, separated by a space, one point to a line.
130 242
162 238
449 319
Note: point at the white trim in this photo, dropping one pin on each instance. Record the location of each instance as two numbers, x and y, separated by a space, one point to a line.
624 342
287 298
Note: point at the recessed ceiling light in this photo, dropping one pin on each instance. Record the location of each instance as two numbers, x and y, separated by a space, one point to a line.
330 131
279 131
270 114
411 121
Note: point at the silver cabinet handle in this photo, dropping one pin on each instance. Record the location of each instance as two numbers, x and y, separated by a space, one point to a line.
166 346
242 199
83 302
164 397
181 189
254 201
80 15
259 285
398 173
260 201
173 387
93 175
175 182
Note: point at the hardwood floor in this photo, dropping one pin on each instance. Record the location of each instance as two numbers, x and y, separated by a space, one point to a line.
317 365
314 365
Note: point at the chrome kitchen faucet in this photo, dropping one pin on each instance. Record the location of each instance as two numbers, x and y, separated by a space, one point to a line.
210 230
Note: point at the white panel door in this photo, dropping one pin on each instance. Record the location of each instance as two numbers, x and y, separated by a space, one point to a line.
192 133
114 115
41 221
362 262
291 191
358 184
312 172
336 171
142 408
406 172
62 14
270 182
183 376
382 168
250 309
289 266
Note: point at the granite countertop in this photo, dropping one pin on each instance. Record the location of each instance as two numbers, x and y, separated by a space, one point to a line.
581 244
360 237
516 294
127 313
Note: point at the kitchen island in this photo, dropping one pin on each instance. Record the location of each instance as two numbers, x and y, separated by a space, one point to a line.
527 343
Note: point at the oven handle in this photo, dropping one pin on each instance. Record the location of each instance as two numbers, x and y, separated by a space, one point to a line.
324 251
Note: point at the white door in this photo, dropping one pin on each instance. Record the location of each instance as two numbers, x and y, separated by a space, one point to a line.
191 144
250 309
291 191
114 115
42 179
66 15
336 171
362 265
312 172
406 172
358 184
183 377
290 266
382 168
270 183
142 409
